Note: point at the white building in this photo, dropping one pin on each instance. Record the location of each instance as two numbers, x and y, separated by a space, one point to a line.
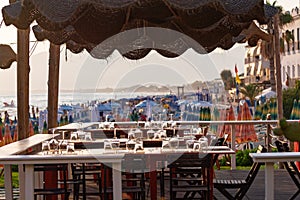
290 59
256 68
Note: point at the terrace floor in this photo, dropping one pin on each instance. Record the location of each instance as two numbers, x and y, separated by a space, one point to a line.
284 186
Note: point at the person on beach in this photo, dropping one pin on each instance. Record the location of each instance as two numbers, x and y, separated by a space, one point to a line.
6 118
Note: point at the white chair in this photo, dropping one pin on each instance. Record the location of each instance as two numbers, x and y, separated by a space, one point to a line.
88 136
74 135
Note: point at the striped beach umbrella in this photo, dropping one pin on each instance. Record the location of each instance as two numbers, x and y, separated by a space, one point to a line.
274 110
258 112
265 110
293 113
298 110
215 117
245 132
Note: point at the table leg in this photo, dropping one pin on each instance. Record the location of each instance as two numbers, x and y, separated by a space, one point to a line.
117 180
8 182
269 181
29 178
21 181
153 180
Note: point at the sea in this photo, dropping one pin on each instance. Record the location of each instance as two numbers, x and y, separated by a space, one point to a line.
40 100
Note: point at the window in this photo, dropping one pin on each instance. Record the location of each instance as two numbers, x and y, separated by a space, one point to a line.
298 69
293 71
283 72
298 39
293 42
288 71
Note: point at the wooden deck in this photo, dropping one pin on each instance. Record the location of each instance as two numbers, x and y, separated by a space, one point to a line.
284 186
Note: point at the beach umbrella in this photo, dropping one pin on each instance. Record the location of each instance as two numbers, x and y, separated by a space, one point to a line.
31 131
258 112
145 103
215 117
265 110
227 128
298 110
94 116
1 135
16 136
104 107
295 107
7 135
274 110
245 132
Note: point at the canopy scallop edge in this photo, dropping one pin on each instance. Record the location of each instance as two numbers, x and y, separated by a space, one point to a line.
85 24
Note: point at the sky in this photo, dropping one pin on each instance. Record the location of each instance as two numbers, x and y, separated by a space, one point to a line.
81 71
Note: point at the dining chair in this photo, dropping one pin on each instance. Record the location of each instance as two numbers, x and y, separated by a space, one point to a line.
241 186
290 166
84 177
190 176
61 189
134 180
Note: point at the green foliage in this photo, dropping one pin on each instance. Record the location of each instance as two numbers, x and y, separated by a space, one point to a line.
288 98
242 158
15 179
227 78
251 91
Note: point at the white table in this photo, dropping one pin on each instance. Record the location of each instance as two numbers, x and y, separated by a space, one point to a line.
269 159
21 146
29 160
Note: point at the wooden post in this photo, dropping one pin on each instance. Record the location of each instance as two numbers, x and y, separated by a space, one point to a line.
278 67
53 84
23 83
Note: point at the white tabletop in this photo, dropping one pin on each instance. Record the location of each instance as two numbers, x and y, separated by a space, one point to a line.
275 157
22 145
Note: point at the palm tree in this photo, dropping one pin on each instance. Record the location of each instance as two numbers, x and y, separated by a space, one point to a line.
267 49
251 91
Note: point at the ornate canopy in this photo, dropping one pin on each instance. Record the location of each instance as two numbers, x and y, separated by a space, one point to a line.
168 26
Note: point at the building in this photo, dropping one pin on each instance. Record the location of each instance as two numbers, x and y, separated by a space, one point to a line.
290 59
256 67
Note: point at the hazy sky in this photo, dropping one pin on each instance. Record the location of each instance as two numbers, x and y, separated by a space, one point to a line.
81 71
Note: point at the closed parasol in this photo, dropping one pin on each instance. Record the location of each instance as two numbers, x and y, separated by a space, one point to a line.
7 135
31 131
215 117
294 110
258 112
227 130
273 109
245 132
16 136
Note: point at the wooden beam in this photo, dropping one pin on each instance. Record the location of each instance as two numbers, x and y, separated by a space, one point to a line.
53 84
23 83
278 67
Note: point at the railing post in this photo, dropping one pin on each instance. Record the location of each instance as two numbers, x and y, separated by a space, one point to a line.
233 157
268 138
